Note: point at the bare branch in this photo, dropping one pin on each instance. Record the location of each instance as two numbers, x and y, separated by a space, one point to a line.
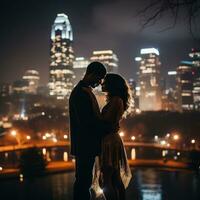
160 7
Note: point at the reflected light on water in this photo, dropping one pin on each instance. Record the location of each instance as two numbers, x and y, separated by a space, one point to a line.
151 192
133 154
149 185
21 177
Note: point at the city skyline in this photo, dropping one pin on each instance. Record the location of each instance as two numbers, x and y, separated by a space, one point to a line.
95 28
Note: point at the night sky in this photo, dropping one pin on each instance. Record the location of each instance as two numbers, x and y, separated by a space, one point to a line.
25 27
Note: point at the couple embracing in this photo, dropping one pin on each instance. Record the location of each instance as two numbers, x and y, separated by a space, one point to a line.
102 170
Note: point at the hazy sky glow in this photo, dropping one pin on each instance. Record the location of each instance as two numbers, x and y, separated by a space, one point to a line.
107 24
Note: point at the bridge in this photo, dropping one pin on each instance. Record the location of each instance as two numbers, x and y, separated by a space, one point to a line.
51 144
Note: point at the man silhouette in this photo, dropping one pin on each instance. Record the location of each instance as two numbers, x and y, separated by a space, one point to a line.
86 128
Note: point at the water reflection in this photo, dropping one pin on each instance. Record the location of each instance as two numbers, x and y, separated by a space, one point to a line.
152 192
149 185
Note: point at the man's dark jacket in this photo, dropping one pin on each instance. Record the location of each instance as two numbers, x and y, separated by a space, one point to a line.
86 127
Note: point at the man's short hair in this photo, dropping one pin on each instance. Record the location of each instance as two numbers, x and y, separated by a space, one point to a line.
96 68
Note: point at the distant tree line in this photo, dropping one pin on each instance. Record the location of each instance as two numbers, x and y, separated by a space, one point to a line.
149 124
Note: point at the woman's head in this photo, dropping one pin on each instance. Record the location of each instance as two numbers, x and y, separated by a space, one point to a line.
116 85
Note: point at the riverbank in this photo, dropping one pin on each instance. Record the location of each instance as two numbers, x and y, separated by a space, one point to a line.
61 166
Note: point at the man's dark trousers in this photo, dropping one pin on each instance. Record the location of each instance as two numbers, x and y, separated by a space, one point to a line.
84 166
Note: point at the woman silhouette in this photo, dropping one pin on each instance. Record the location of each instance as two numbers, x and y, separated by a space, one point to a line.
111 170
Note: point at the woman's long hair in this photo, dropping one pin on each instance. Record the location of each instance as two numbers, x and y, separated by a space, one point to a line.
116 85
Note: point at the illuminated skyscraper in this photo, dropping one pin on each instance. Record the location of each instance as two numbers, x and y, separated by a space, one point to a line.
5 89
185 75
108 58
62 57
20 86
32 77
149 79
195 56
79 68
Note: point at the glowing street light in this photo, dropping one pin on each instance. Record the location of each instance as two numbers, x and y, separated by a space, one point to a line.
55 140
44 137
21 177
163 142
28 137
65 156
121 134
14 133
133 138
168 135
155 137
176 137
48 135
44 151
65 136
193 141
164 153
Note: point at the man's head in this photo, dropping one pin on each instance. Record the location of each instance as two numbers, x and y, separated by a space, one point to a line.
95 73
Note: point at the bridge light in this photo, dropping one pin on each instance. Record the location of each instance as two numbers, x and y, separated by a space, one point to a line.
28 137
133 154
48 135
163 142
21 177
65 136
55 140
175 157
1 168
133 138
65 156
44 137
176 137
164 153
156 138
44 151
168 135
121 134
14 133
193 141
178 153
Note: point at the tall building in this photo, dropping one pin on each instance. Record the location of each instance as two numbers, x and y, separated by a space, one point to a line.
79 68
32 77
132 86
171 79
195 58
108 58
149 79
185 75
20 86
5 89
62 57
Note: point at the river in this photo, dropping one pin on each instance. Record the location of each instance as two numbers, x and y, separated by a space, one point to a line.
147 184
